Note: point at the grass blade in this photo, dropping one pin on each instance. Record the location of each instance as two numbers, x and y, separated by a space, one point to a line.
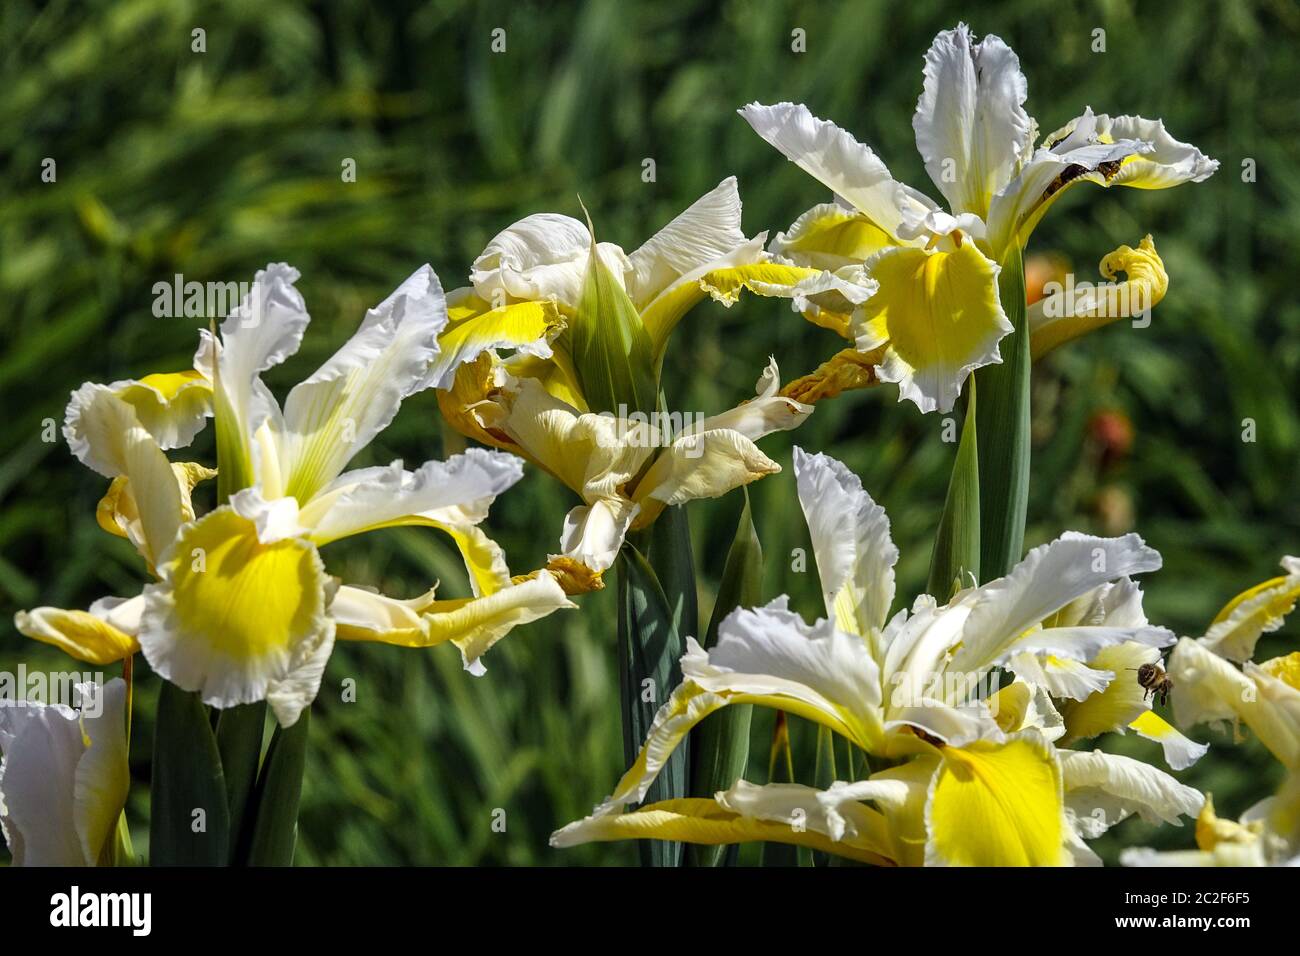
239 741
720 744
275 826
650 650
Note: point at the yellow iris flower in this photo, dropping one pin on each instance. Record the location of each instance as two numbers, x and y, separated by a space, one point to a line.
1210 687
935 315
241 608
527 291
966 774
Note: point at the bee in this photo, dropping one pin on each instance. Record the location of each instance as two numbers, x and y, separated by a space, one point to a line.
1155 681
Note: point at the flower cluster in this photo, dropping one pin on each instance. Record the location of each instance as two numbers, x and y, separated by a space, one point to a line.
967 715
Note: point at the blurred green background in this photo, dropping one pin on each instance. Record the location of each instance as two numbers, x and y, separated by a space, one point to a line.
213 164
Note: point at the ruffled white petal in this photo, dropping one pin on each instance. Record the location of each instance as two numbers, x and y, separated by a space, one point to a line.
336 412
542 256
851 542
1102 789
707 231
970 123
1050 577
837 160
453 492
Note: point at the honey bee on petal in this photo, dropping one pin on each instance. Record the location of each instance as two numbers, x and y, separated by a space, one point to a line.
1156 682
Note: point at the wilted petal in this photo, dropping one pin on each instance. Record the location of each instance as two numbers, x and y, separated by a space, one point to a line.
103 635
593 534
1257 611
1058 318
1210 689
704 821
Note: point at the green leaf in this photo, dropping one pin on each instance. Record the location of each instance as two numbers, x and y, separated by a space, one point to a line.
956 551
720 743
650 650
275 824
825 773
187 779
239 740
780 769
613 358
669 555
1003 418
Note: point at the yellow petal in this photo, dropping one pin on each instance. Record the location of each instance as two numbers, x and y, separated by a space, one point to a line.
483 557
104 433
770 657
173 406
829 237
1209 688
1211 830
703 821
84 635
725 285
472 624
556 374
1286 669
475 327
119 514
846 370
1255 611
1057 318
238 620
1122 700
473 385
997 805
940 315
1180 752
364 615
